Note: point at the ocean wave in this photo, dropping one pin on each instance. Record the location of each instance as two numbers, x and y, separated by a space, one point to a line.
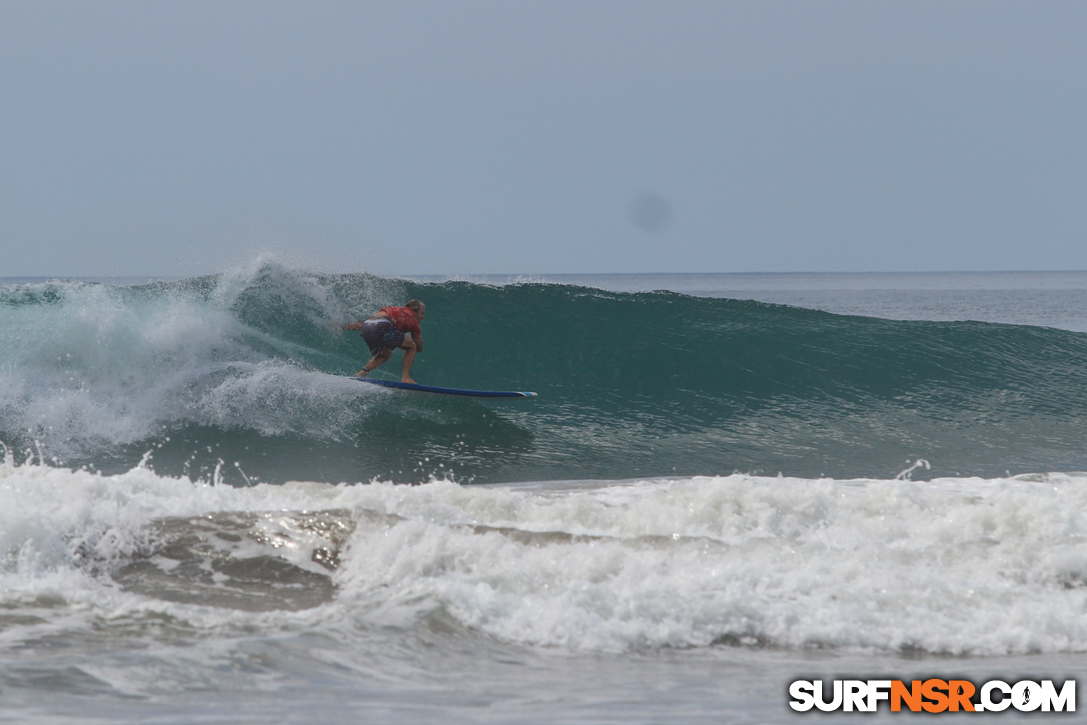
960 566
238 371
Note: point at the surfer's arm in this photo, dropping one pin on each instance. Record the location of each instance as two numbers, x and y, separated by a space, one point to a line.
418 340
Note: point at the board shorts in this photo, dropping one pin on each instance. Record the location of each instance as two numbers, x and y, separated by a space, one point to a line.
381 334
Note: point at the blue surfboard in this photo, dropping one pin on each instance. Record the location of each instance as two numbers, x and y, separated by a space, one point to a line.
446 391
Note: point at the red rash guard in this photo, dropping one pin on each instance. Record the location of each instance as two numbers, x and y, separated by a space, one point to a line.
404 319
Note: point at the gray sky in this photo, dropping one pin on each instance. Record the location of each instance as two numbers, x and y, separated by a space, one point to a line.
542 137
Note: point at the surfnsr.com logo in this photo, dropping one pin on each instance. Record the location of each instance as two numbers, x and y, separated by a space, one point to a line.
933 696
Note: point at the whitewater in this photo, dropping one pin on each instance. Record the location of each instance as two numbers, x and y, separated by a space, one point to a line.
728 483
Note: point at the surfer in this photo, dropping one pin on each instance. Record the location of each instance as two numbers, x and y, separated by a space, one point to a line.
386 331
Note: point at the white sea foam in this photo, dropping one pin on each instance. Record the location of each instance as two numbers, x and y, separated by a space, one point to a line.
89 367
964 566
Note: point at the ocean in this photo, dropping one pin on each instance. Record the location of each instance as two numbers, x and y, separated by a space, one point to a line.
727 483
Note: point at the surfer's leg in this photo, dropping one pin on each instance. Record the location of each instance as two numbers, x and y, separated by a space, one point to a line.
375 362
409 357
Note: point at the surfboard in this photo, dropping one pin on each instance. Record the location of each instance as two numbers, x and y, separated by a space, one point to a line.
446 391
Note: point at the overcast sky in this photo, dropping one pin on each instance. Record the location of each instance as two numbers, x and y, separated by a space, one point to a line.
175 138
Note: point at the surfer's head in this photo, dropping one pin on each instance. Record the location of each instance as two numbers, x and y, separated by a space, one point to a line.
418 308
